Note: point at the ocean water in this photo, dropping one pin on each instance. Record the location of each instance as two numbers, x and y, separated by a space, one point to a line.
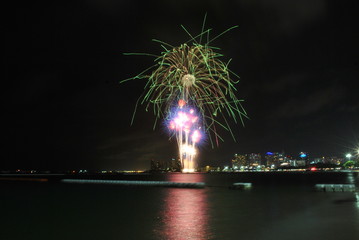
279 206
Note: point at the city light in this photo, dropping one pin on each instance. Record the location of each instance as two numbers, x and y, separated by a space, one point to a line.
313 169
348 156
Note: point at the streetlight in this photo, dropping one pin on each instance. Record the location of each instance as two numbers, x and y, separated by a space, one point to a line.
348 156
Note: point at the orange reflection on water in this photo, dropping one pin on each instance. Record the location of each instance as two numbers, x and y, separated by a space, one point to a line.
185 212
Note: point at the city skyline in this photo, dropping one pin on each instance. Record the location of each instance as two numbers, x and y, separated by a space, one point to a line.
297 64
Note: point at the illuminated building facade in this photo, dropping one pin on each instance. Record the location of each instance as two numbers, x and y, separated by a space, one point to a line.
275 159
239 161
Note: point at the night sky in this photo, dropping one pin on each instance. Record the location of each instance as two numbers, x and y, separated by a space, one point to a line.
65 108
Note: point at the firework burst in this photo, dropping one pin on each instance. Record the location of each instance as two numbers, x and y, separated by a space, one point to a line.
192 75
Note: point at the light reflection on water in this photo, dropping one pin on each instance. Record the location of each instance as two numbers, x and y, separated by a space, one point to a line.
351 180
272 210
185 211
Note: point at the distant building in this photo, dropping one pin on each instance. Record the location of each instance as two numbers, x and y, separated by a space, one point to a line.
297 163
172 165
239 161
246 161
156 165
332 160
317 160
304 156
275 159
254 159
175 165
210 169
337 160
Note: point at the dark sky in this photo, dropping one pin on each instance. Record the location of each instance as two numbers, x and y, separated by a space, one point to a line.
298 63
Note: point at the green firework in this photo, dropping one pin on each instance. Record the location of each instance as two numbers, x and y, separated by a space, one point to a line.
194 72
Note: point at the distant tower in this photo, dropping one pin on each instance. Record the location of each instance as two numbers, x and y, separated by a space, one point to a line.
305 157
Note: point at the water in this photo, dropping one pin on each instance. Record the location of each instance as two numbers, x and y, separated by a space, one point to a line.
279 206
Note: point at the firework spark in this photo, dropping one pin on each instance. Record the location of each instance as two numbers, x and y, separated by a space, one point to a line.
192 75
183 122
